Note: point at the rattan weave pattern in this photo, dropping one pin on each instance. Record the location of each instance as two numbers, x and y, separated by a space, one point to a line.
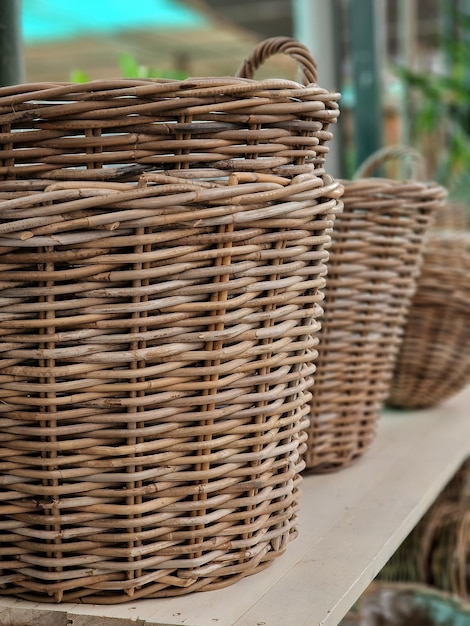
113 130
374 261
433 363
155 382
445 556
157 330
452 216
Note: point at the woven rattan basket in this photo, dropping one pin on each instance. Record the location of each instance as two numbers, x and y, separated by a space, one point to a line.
162 265
451 216
374 261
445 555
433 363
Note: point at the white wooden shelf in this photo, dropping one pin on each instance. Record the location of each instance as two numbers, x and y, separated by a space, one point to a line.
350 523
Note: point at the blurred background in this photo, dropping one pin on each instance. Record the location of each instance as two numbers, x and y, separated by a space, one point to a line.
402 66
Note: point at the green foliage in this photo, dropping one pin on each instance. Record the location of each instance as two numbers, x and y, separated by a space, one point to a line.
442 101
129 66
131 69
78 76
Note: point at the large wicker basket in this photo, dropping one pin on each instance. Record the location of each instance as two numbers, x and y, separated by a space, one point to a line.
374 261
162 265
433 363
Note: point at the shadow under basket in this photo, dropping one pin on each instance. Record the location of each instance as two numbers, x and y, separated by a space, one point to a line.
162 265
376 250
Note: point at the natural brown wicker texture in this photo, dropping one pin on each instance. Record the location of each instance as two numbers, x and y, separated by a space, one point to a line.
451 216
374 261
433 363
445 555
157 335
113 130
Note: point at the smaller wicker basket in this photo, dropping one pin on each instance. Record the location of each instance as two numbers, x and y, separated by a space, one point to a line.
433 363
445 554
374 260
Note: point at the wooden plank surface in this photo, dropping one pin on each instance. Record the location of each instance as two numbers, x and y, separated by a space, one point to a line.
350 523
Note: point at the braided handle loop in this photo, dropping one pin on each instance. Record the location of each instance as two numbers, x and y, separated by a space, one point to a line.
409 156
280 45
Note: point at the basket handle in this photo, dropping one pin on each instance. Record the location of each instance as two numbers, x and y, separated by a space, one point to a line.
280 45
412 158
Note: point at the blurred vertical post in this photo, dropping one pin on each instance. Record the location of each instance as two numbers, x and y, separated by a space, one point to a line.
367 33
12 69
316 24
407 34
447 13
461 19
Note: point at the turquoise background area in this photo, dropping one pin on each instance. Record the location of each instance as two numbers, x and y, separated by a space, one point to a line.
52 20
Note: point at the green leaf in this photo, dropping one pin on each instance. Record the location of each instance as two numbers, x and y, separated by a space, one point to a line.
129 66
79 76
428 118
131 69
428 85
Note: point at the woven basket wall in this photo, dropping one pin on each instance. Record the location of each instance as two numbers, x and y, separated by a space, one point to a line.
433 363
162 266
451 216
445 556
374 261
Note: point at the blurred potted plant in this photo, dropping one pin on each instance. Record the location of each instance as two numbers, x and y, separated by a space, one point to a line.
440 120
130 68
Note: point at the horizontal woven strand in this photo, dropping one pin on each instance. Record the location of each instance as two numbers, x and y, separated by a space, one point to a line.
132 381
432 364
151 130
